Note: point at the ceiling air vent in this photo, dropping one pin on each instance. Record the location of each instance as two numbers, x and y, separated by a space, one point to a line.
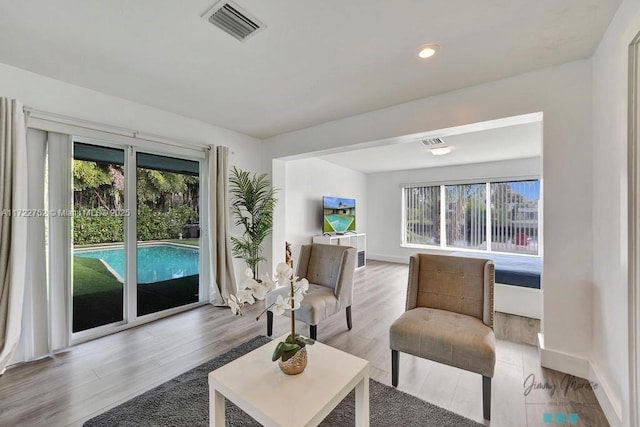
432 142
232 19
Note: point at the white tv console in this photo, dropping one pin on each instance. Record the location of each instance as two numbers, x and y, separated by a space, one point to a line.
356 240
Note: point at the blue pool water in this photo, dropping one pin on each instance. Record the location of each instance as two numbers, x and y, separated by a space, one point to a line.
155 263
340 223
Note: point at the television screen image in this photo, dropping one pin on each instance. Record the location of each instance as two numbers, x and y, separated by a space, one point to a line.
339 215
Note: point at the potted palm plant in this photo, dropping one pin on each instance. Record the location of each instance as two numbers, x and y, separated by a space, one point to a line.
252 200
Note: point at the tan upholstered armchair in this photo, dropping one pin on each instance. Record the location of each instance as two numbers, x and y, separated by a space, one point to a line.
329 270
449 317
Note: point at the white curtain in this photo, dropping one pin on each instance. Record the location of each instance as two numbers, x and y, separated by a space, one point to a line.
13 224
223 280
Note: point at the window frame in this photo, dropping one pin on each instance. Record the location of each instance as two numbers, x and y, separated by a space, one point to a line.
442 246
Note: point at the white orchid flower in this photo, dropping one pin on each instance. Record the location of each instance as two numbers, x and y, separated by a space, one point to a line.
235 307
245 296
249 283
297 298
266 279
253 290
283 273
302 287
259 290
280 306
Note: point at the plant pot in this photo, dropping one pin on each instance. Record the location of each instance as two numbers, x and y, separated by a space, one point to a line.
296 364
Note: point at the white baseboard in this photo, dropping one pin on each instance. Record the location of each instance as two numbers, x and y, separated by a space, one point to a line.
609 403
563 362
583 368
387 258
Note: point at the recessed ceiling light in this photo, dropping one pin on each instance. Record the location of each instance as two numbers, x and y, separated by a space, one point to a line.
439 151
428 51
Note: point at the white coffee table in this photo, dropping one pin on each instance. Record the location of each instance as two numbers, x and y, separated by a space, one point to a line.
257 386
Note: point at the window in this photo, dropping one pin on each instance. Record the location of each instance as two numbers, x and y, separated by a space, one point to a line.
514 214
466 216
422 215
506 221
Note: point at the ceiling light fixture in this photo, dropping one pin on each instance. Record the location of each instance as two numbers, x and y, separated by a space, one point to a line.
440 151
427 51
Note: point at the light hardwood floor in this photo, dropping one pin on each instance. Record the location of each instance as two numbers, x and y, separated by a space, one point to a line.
85 380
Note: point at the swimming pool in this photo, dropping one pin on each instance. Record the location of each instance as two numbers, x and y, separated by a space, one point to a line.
155 263
340 222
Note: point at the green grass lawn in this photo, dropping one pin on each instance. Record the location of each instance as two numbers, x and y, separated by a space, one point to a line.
98 295
90 276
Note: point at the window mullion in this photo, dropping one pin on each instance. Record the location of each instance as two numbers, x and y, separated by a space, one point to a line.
405 208
130 237
443 217
488 210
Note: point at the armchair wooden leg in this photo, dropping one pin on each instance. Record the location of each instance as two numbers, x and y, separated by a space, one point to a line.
269 323
349 317
486 397
313 331
395 367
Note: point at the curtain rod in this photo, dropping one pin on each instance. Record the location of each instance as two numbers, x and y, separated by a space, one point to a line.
116 130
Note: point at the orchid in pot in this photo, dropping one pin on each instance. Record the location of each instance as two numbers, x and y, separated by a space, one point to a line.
291 353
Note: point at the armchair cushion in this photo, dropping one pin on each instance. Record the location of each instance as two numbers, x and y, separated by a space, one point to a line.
331 266
319 303
447 337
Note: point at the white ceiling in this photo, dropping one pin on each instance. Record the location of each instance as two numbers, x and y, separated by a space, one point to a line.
500 143
317 60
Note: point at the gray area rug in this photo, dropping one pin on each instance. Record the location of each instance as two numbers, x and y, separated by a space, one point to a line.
184 401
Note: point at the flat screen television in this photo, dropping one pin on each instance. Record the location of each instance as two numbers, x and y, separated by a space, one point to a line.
339 215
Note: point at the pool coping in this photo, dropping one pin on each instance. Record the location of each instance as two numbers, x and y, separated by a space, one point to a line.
120 245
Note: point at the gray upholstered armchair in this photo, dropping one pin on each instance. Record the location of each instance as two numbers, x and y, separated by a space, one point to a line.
329 270
449 317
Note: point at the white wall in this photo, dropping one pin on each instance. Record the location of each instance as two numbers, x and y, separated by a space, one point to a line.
563 94
306 181
43 93
610 352
384 207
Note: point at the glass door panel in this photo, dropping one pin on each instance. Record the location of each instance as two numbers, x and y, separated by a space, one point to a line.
168 230
98 262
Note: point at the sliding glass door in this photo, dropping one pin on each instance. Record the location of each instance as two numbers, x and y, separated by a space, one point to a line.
135 236
98 261
168 229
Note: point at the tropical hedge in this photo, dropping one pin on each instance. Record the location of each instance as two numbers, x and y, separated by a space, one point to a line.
152 225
